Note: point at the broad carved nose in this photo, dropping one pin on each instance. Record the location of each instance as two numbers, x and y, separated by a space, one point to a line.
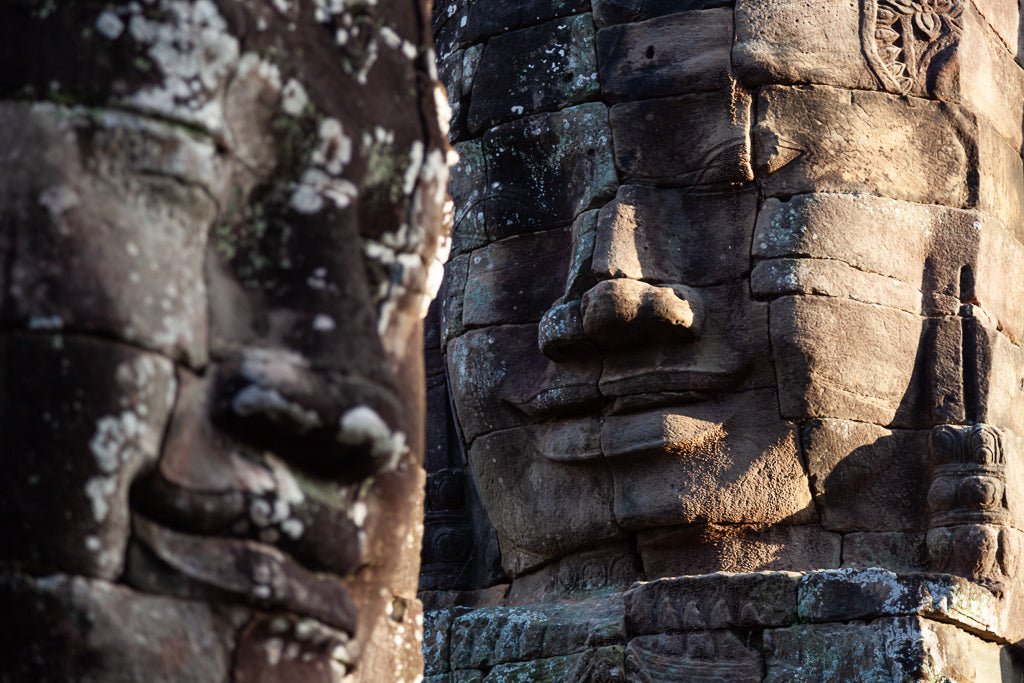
619 313
619 291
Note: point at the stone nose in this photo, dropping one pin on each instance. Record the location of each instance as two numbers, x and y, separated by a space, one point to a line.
621 312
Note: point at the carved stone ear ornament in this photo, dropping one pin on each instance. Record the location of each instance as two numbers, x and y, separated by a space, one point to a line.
903 40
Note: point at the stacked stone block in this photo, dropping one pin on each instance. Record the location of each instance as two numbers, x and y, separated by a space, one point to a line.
833 190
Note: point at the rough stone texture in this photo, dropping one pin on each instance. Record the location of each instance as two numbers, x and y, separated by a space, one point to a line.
75 629
82 448
866 478
699 139
707 549
543 170
878 380
731 461
509 634
545 67
647 59
601 665
221 226
901 648
460 22
874 147
696 656
733 357
713 601
675 236
616 11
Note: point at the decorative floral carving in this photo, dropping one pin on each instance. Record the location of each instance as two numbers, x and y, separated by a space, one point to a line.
905 41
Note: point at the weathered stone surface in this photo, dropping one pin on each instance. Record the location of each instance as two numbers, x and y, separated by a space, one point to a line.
545 67
819 277
730 461
708 549
867 478
515 280
699 139
607 568
437 639
498 635
460 22
469 189
648 59
287 649
841 595
544 170
517 464
454 287
602 665
694 656
675 236
1000 178
875 146
731 353
616 11
68 468
150 290
458 72
712 601
251 573
622 312
491 392
877 380
74 629
787 41
901 648
895 550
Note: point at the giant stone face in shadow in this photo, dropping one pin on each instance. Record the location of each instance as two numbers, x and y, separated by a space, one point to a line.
216 228
700 319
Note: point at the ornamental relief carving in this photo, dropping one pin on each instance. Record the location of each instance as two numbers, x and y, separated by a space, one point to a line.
907 42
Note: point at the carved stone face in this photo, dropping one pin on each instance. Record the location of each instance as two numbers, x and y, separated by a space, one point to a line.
706 322
214 270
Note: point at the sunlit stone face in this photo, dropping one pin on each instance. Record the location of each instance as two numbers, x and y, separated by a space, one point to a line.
702 319
217 240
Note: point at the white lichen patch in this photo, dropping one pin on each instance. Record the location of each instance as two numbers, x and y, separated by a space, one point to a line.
269 403
322 182
362 426
109 25
294 99
196 55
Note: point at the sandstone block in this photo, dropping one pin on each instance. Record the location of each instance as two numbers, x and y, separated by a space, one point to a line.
901 649
730 461
821 277
877 379
731 353
617 11
675 236
581 275
791 156
603 665
453 289
468 187
499 635
499 376
546 169
68 469
623 312
524 490
694 656
894 550
704 550
1000 174
698 139
867 478
788 41
464 22
648 59
76 629
849 594
437 639
606 568
548 66
712 601
515 280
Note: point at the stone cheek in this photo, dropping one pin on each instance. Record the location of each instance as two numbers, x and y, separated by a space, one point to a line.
69 460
